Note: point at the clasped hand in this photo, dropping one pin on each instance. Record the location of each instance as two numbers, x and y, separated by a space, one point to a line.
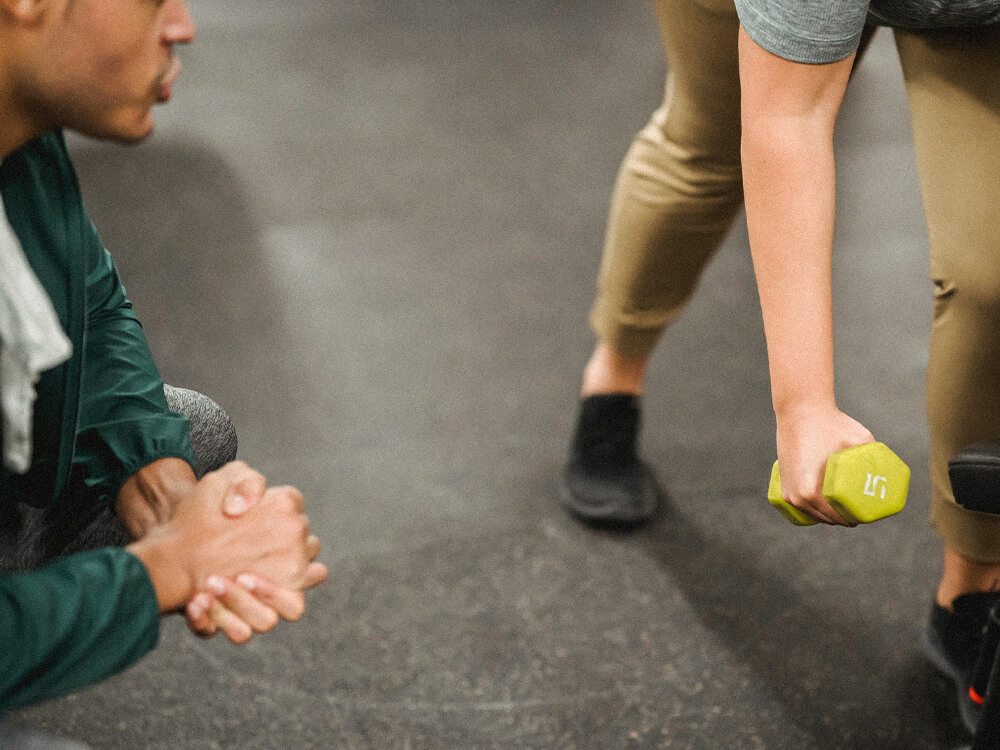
235 555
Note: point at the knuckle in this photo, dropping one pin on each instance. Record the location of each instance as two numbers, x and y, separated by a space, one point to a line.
284 500
239 466
248 474
294 527
292 497
301 527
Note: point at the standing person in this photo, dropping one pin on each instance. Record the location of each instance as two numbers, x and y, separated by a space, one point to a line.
795 58
94 430
678 190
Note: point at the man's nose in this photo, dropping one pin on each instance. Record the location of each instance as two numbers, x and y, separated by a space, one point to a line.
178 27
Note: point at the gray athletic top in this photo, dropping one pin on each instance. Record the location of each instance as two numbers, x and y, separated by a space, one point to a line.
825 31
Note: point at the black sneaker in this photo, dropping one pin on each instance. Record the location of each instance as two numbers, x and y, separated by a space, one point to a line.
605 483
952 643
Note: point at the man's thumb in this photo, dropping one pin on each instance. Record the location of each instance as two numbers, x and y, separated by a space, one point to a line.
243 495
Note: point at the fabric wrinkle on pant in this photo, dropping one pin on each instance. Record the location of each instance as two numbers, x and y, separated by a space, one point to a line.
680 185
953 85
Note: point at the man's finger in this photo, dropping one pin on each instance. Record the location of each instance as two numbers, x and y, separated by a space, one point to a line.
244 605
236 630
830 512
197 617
315 574
312 547
288 603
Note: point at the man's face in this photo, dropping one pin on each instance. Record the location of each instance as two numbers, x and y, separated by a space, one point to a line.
101 65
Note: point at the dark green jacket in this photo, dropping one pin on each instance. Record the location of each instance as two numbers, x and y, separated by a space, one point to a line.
99 417
102 415
72 623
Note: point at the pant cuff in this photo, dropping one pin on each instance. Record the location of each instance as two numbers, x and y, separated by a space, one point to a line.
631 341
973 535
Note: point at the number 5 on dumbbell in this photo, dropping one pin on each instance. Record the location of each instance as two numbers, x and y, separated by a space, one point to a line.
863 484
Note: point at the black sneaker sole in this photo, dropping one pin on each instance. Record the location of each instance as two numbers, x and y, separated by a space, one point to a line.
615 516
934 652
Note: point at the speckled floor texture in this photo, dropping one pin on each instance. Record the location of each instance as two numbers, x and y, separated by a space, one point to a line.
371 231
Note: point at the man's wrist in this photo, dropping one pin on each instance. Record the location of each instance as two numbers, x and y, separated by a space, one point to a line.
174 587
149 497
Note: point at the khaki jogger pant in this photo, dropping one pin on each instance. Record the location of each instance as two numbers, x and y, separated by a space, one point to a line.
680 187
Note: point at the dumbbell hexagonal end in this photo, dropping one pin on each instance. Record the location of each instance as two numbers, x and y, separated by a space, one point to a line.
789 511
867 482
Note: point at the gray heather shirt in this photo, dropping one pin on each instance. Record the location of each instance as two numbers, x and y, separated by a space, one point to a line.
825 31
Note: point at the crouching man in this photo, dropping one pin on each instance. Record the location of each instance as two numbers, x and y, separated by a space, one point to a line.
86 427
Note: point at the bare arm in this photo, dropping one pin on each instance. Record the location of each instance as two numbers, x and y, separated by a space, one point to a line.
788 113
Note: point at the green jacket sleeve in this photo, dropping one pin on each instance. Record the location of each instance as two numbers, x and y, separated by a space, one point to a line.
73 623
124 420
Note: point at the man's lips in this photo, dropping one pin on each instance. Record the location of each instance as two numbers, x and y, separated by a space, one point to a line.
168 79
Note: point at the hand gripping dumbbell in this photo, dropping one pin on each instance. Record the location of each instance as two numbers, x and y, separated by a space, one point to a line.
863 483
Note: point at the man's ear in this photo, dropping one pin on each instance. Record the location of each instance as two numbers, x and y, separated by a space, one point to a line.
24 11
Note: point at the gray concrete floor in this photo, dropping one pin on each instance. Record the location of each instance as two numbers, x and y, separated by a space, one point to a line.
371 231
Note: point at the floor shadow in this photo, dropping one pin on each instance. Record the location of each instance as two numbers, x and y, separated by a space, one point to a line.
184 232
846 682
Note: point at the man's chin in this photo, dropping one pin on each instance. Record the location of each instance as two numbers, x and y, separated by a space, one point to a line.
134 131
130 139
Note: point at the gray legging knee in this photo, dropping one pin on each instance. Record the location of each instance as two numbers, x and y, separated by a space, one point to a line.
29 536
213 436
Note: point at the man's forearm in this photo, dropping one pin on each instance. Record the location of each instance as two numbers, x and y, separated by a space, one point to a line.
160 554
150 496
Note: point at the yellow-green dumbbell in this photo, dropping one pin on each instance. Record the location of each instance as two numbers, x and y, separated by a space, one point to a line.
863 483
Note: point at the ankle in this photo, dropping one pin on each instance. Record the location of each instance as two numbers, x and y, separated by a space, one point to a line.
610 372
964 576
